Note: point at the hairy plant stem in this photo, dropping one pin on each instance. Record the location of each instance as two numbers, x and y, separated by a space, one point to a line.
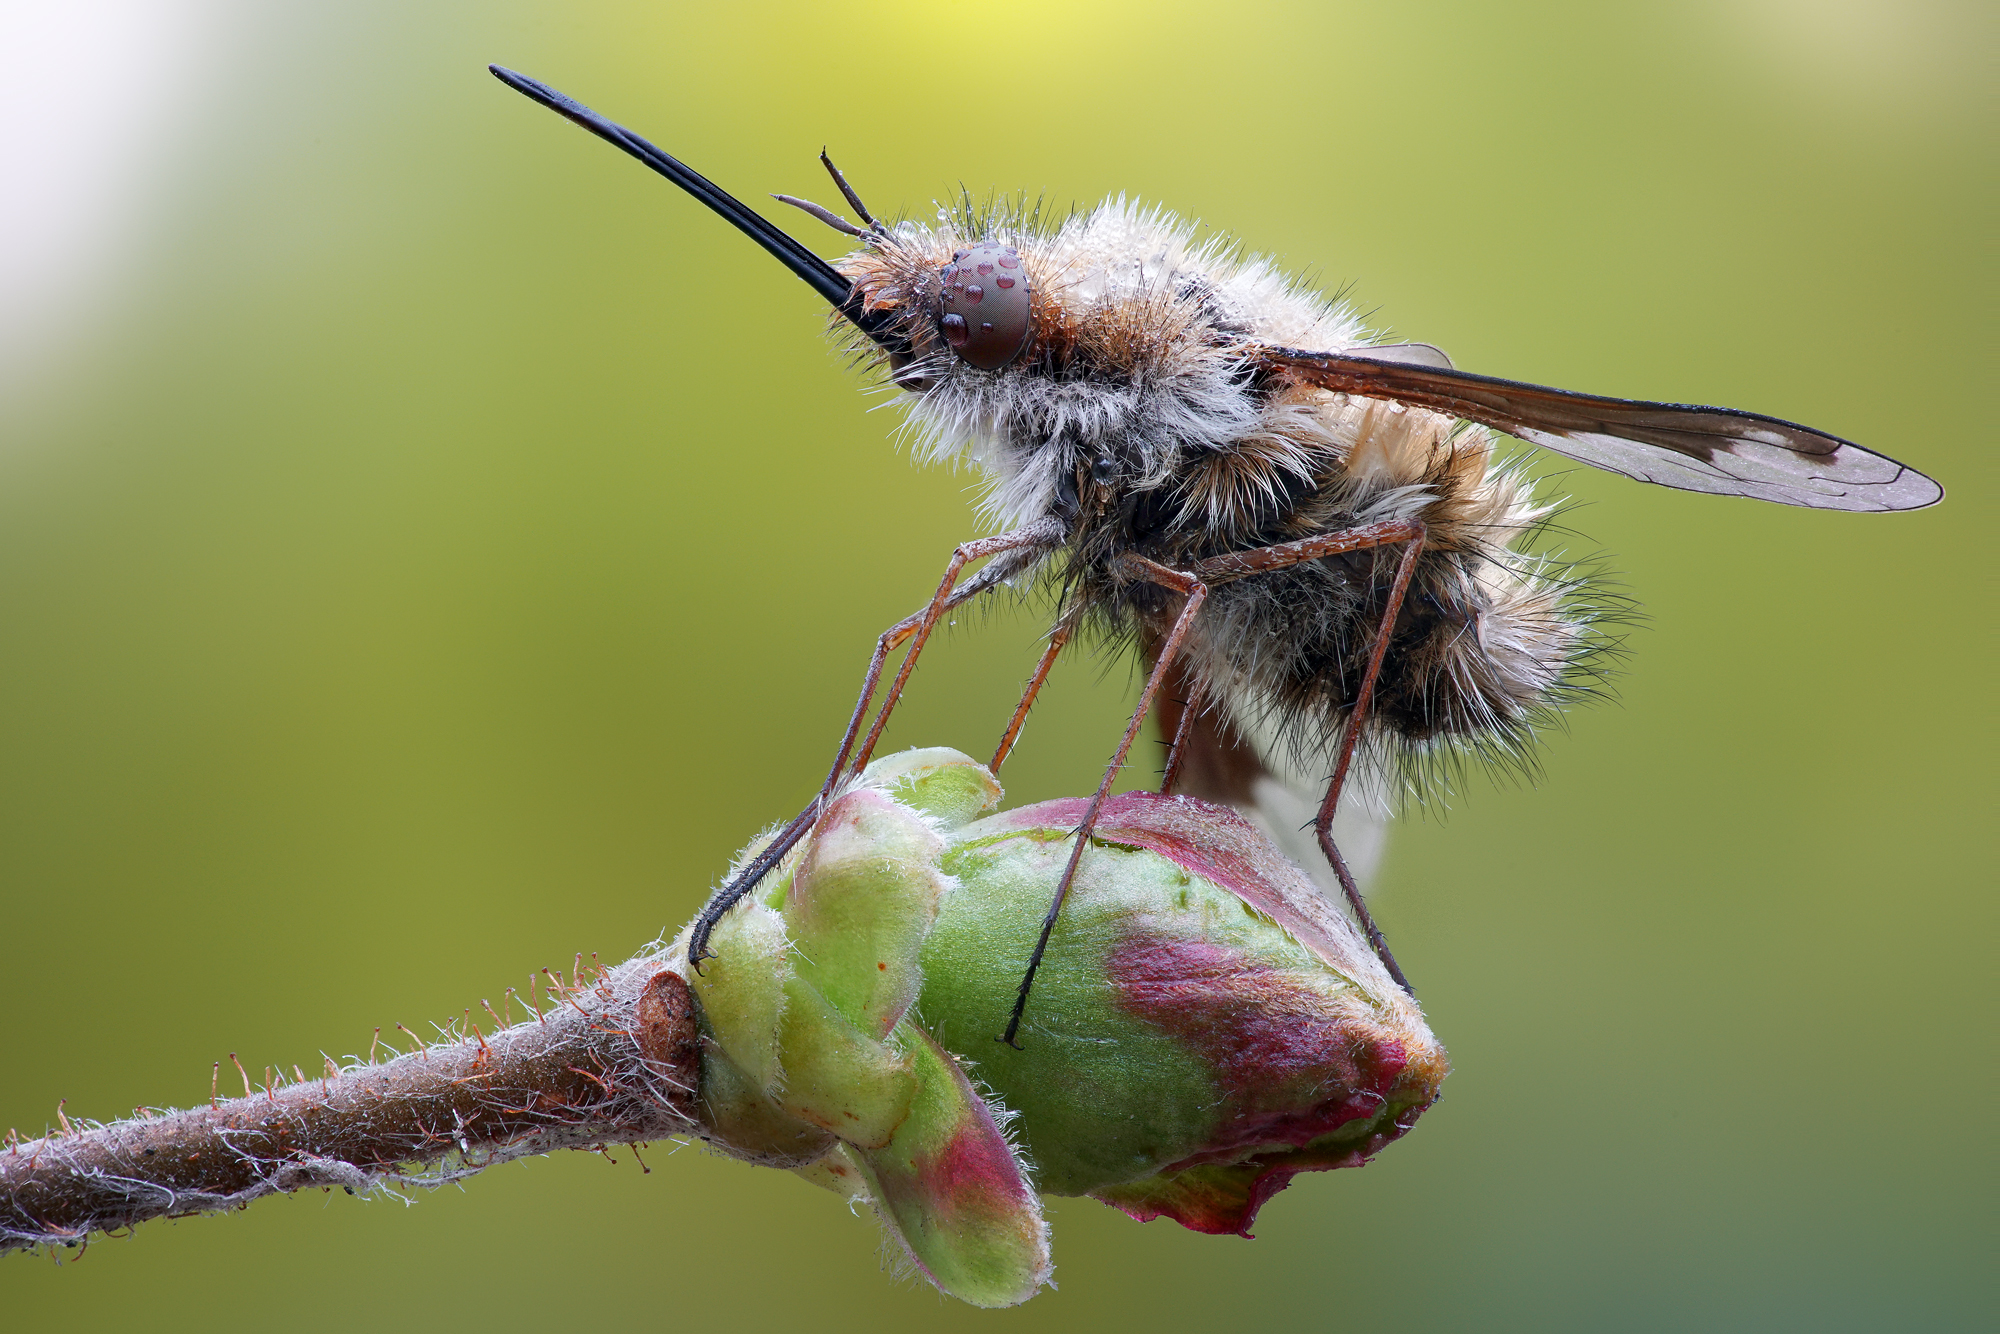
614 1060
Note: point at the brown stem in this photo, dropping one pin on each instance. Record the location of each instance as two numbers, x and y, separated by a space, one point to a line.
614 1061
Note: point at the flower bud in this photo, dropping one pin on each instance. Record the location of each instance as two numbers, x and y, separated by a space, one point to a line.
1203 1028
812 1063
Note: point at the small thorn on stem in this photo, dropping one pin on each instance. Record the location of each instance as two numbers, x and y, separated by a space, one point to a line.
563 994
214 1076
241 1071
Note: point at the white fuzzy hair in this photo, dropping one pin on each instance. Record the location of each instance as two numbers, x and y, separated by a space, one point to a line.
1110 267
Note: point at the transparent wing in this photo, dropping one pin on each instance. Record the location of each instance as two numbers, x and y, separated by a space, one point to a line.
1410 354
1239 765
1285 799
1717 450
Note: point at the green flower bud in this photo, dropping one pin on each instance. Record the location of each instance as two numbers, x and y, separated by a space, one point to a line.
812 1063
1203 1028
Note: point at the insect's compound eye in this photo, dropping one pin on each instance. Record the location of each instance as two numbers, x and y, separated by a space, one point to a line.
985 314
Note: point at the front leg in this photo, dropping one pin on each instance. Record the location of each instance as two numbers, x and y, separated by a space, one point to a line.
1015 551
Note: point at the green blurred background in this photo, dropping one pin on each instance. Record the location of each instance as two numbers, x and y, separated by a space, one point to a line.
429 545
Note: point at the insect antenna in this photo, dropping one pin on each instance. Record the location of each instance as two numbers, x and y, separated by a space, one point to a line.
825 215
847 193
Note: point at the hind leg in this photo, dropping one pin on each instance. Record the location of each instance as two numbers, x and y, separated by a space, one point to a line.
1350 736
1194 586
1246 564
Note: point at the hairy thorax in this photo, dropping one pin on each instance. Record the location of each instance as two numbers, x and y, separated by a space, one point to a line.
1133 416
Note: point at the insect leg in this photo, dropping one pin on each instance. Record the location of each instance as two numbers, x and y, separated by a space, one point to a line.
1195 593
1177 749
852 198
1034 538
1023 542
1262 560
1058 636
1350 735
794 829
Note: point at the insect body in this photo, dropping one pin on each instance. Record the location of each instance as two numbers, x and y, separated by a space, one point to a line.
1306 533
1134 424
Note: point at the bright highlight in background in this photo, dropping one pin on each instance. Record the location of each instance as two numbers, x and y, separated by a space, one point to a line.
94 96
443 545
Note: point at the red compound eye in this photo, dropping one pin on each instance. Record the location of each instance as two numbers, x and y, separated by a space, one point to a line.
1005 316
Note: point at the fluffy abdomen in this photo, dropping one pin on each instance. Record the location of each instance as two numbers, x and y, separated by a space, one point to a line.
1483 650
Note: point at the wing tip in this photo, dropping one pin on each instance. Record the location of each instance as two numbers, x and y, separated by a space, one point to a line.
1908 490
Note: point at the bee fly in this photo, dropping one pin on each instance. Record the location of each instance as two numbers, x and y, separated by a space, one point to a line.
1306 531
